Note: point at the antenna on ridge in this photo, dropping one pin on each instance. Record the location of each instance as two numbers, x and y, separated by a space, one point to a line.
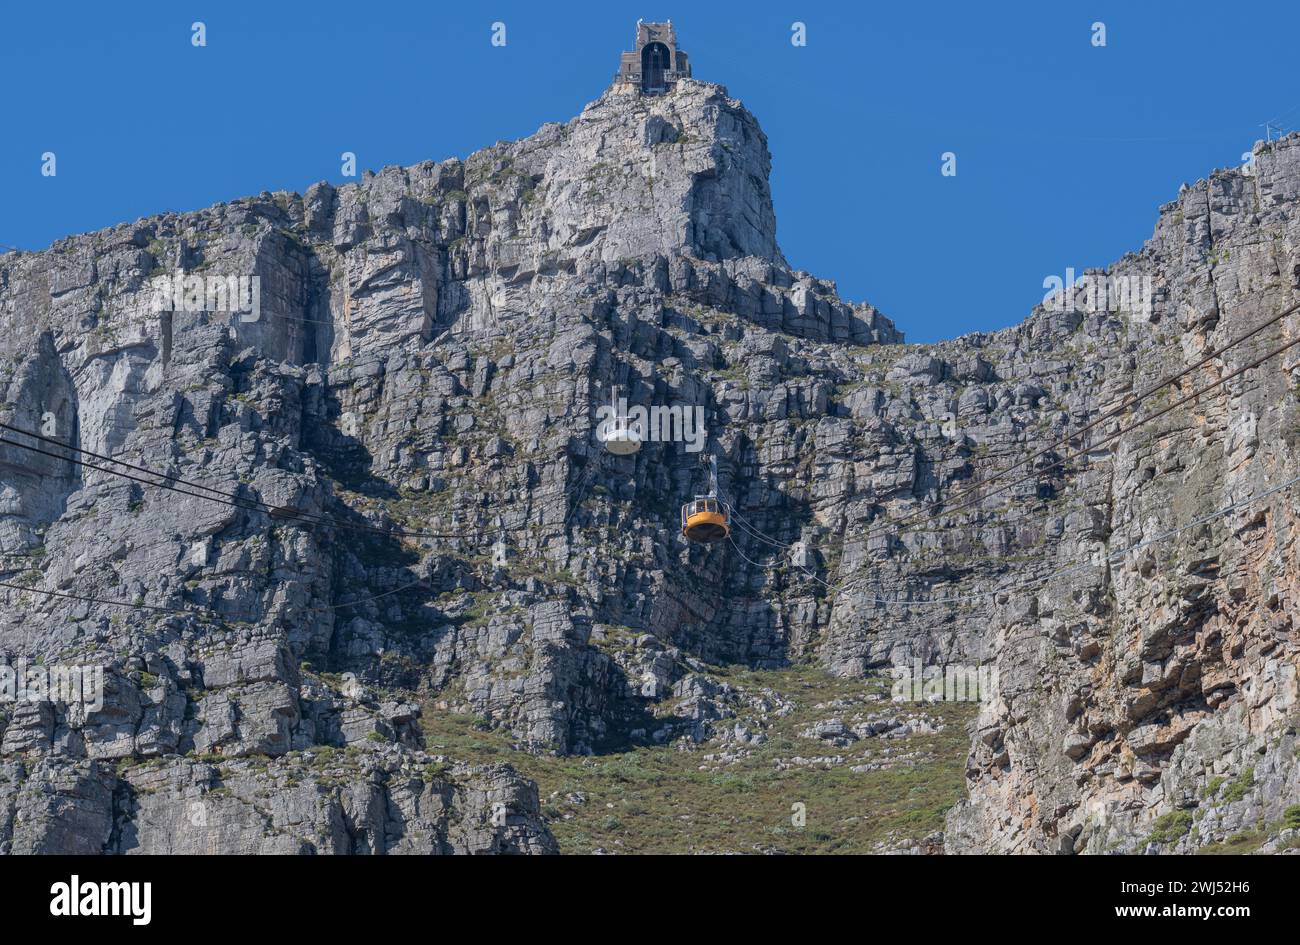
1271 128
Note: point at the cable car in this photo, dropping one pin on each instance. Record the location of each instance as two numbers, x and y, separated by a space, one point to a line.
703 518
621 437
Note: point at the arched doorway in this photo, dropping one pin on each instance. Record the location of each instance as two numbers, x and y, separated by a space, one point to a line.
655 61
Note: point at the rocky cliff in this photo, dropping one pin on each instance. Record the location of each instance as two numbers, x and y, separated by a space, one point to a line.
387 507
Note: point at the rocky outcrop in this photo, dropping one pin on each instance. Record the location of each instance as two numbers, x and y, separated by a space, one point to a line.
416 517
317 802
1149 703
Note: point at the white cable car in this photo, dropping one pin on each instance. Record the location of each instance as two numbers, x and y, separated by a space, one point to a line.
620 436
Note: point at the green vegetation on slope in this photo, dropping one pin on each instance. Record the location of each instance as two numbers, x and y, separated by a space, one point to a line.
664 799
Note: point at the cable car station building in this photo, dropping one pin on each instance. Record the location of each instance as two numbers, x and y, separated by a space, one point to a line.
656 64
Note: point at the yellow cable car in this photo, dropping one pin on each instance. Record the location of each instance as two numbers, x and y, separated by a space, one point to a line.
704 519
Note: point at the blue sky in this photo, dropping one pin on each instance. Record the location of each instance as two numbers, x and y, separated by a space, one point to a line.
1064 151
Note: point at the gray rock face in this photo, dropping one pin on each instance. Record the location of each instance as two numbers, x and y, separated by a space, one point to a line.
319 802
424 371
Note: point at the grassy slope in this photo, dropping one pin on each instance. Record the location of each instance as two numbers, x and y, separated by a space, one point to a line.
658 800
